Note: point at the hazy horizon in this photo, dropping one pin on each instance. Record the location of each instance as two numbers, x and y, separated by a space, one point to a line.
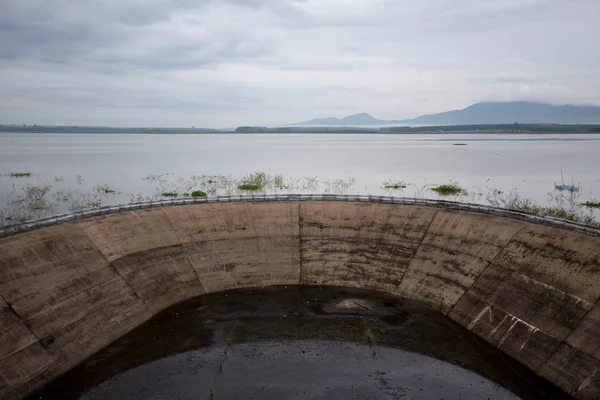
222 64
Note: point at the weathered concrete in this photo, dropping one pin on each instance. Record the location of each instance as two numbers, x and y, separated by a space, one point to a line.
529 286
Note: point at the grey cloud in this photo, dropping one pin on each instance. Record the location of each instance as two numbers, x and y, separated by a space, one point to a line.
259 61
37 30
106 31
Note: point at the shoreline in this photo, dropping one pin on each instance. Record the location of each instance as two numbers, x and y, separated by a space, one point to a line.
306 133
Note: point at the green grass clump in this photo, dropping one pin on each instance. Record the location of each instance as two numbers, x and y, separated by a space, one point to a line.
249 186
591 204
563 206
12 220
449 190
278 181
39 206
254 182
211 395
368 336
105 189
198 193
555 211
19 174
169 194
394 185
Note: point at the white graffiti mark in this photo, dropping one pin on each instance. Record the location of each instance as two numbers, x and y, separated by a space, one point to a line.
478 317
498 326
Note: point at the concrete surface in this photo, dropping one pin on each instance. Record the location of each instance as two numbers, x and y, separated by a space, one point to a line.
154 360
532 290
298 370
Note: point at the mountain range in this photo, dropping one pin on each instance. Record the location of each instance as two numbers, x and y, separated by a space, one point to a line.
361 119
480 113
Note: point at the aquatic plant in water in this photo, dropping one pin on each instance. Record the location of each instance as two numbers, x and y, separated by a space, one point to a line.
249 186
591 204
254 182
561 205
451 189
19 174
24 202
104 189
391 184
198 193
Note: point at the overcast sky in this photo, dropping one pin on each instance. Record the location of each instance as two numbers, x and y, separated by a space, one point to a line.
224 63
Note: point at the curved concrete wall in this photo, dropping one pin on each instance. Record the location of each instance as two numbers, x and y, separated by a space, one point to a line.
532 290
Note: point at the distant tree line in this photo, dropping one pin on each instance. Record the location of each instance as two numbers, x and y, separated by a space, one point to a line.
97 129
502 128
264 129
498 128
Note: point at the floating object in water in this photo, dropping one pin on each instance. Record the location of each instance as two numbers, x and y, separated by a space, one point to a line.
570 188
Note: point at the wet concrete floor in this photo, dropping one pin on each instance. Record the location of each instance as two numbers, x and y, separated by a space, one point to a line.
300 342
299 370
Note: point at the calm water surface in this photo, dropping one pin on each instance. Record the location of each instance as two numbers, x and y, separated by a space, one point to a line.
529 164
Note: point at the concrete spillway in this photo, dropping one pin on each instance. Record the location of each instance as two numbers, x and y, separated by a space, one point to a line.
531 289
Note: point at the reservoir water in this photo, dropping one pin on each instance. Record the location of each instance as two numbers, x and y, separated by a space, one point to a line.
107 169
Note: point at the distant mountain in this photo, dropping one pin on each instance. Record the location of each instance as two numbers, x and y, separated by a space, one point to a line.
521 112
510 112
362 119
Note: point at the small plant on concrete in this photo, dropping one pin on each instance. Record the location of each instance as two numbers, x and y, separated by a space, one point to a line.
211 395
368 336
170 194
229 340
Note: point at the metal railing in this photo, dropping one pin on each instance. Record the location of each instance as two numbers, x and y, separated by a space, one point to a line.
450 205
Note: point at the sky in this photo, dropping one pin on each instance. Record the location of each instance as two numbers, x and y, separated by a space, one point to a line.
225 63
